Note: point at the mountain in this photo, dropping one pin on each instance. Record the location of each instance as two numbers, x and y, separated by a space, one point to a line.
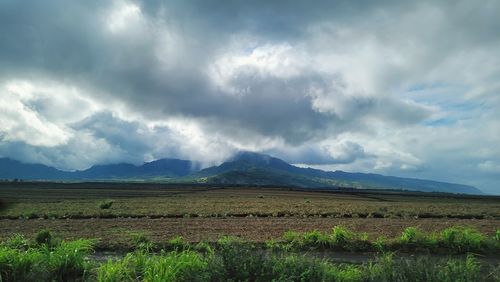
259 169
164 168
11 169
167 168
244 168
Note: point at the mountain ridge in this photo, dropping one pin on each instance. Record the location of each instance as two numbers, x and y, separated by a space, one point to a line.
243 168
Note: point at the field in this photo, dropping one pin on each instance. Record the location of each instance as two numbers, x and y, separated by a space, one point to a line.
344 225
205 213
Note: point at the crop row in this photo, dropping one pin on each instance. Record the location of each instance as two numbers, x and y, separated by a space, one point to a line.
109 214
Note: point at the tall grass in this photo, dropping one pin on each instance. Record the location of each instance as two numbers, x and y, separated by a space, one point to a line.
237 262
232 259
21 260
463 239
456 240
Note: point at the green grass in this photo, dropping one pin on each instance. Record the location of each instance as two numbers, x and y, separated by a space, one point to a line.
453 240
22 260
233 260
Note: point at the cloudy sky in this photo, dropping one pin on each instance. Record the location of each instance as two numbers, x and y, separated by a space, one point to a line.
406 88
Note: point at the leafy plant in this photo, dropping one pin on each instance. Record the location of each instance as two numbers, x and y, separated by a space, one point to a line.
341 237
462 239
106 204
44 237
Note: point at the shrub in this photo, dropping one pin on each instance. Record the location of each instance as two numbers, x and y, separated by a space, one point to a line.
44 237
105 205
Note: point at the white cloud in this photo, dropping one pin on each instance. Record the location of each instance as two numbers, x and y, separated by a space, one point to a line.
402 88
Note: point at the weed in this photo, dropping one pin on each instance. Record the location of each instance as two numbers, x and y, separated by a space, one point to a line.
43 237
106 204
141 241
462 239
184 266
16 241
341 237
177 244
380 244
315 238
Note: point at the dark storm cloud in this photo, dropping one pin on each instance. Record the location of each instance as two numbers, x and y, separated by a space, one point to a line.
69 40
323 82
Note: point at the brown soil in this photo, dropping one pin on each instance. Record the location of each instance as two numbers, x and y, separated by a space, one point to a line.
118 231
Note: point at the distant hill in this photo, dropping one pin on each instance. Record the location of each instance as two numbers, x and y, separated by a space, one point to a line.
244 168
11 169
160 168
260 169
167 168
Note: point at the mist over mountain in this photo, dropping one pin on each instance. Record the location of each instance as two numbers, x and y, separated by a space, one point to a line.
244 168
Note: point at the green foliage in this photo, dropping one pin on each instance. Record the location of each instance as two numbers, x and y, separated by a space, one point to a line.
234 260
237 261
65 262
462 239
414 238
44 237
297 268
141 241
178 244
387 268
380 244
315 238
116 271
29 215
184 266
16 241
341 237
411 235
205 248
106 204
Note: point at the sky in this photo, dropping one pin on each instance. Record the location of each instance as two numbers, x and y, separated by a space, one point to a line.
404 88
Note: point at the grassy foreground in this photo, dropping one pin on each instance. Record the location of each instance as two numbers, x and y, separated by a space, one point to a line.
46 258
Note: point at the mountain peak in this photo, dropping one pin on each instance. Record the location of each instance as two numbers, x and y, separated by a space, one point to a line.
251 157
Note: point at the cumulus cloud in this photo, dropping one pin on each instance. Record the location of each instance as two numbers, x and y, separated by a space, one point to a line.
406 88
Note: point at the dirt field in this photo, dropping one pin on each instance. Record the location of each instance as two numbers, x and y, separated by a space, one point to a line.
119 230
205 213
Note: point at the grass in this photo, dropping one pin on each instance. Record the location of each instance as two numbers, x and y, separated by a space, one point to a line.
233 260
22 260
453 240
